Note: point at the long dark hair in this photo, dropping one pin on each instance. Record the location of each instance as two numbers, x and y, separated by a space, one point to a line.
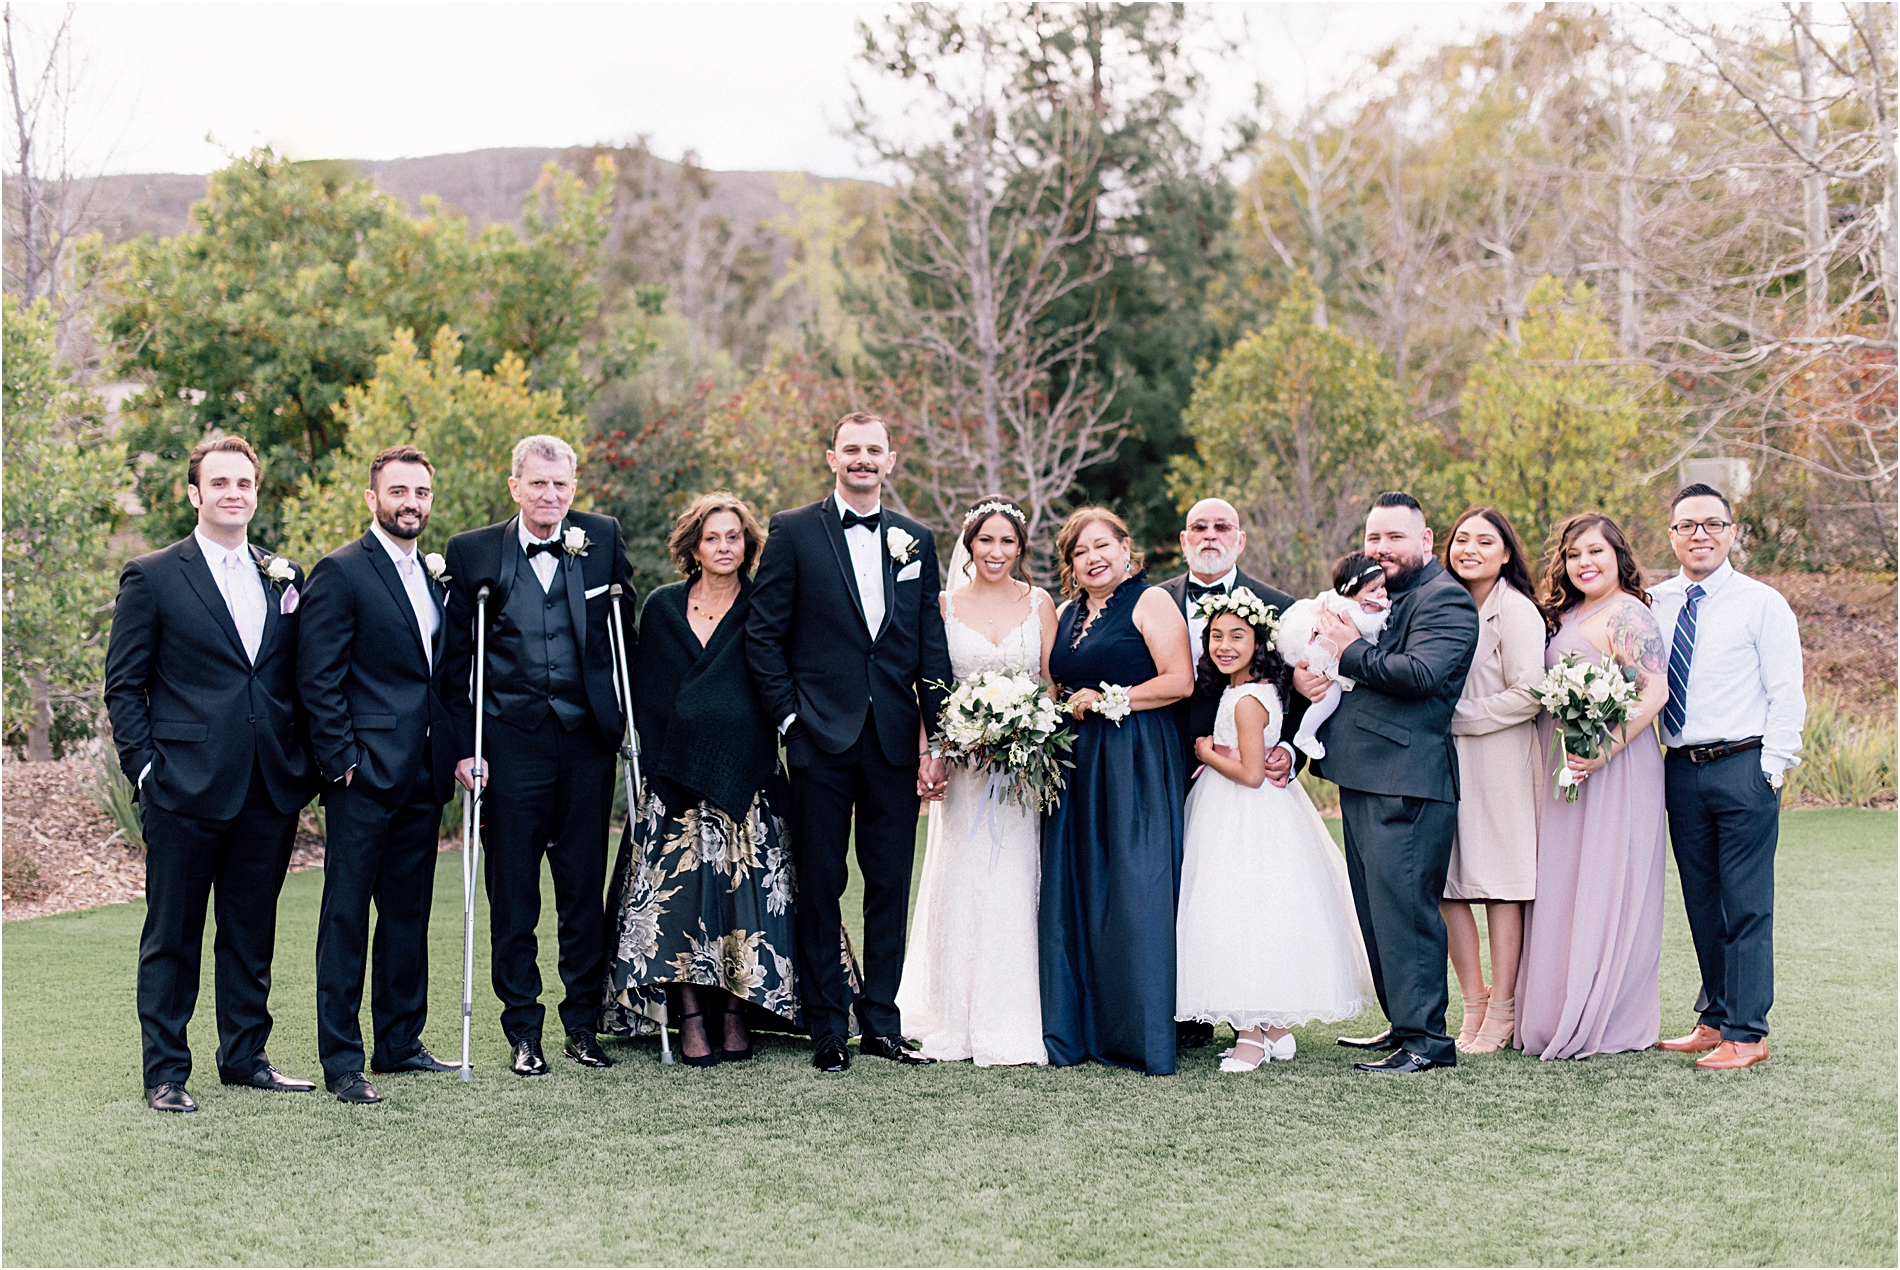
973 525
1515 571
1560 593
1266 666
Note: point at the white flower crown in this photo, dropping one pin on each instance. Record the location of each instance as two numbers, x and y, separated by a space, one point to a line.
990 508
1242 603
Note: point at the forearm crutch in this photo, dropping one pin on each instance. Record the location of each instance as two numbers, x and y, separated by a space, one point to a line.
630 756
472 829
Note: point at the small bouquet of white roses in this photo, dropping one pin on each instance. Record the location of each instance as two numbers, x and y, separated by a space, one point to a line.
1008 724
1587 703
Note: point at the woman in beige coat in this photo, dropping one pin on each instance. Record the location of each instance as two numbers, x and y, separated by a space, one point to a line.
1494 859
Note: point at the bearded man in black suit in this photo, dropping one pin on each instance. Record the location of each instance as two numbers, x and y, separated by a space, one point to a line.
201 690
369 665
847 646
552 727
1211 542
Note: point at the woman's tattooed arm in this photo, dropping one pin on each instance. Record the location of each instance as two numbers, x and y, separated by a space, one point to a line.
1636 641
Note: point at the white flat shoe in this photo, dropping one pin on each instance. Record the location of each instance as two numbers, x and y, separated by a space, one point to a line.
1311 747
1236 1065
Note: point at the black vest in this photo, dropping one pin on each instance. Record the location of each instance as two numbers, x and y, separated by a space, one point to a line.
534 664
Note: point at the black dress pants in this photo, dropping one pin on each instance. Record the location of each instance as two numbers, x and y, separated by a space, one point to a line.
825 790
550 792
384 855
1724 823
1398 851
187 860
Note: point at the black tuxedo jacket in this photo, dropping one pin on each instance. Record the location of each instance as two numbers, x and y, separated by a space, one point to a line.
373 699
488 557
183 697
810 651
1392 734
1195 716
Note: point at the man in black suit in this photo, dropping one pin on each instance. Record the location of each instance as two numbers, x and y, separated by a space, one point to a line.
845 641
369 667
1389 749
553 724
201 690
1211 542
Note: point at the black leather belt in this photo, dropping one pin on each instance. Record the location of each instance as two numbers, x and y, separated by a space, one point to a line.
1721 749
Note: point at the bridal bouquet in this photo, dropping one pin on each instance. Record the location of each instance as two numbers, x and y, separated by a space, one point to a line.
1588 703
1008 724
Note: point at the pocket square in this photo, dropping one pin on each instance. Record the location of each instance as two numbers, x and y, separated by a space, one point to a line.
288 604
911 572
599 590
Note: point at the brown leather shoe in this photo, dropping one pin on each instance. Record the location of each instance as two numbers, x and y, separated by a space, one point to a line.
1700 1041
1733 1055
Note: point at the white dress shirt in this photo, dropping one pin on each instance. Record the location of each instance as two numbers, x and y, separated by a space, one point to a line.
1197 626
867 561
1745 672
414 581
547 563
241 585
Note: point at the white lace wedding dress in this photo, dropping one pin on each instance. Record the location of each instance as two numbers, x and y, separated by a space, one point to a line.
970 987
1265 933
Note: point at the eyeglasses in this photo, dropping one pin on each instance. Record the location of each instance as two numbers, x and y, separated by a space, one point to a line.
1687 528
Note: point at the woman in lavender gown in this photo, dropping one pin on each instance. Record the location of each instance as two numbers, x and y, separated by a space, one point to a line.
1587 983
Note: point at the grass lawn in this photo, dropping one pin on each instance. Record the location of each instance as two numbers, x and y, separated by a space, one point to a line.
1629 1159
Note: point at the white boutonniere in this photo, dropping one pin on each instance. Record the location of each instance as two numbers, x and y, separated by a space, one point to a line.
900 544
276 570
575 541
438 567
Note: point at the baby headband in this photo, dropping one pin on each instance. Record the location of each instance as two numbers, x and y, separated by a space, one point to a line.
1358 581
982 510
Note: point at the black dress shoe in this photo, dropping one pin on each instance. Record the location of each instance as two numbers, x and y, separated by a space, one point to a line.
1383 1041
169 1095
354 1088
831 1057
894 1048
420 1061
1191 1034
1402 1063
584 1048
268 1077
528 1060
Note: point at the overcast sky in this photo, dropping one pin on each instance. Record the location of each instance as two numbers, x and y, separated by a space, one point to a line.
747 85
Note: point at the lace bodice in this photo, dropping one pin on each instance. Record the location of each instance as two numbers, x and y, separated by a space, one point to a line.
1020 651
1227 733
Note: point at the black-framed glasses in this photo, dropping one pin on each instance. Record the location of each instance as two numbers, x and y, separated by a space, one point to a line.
1711 527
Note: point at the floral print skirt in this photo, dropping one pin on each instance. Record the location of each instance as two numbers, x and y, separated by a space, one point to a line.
700 898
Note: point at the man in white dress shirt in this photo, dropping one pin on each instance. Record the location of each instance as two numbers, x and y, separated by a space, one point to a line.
1731 731
201 688
368 666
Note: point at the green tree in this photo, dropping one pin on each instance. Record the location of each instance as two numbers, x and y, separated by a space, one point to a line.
291 288
466 421
1297 426
1552 424
65 482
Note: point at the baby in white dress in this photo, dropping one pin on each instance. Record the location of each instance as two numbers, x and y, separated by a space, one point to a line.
1358 595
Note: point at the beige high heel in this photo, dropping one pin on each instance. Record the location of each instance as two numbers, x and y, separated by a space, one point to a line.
1474 1018
1500 1023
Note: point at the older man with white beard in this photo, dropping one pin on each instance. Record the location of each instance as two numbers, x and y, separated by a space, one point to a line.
1211 542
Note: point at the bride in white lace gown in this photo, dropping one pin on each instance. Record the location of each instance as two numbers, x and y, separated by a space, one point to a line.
970 987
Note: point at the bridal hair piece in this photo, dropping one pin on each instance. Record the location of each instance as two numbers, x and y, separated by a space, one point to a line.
994 507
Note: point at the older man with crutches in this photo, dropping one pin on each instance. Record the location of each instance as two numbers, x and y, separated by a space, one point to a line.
550 723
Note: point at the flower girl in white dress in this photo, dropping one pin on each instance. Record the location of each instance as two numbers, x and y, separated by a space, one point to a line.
1265 936
970 987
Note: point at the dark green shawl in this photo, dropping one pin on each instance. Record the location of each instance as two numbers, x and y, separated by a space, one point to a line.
702 731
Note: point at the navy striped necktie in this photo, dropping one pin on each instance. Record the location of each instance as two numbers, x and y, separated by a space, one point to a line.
1681 653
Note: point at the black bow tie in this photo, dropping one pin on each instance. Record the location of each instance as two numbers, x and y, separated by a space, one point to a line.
869 522
551 546
1196 590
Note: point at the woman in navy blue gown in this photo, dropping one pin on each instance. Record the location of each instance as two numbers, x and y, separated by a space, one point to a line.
1111 849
